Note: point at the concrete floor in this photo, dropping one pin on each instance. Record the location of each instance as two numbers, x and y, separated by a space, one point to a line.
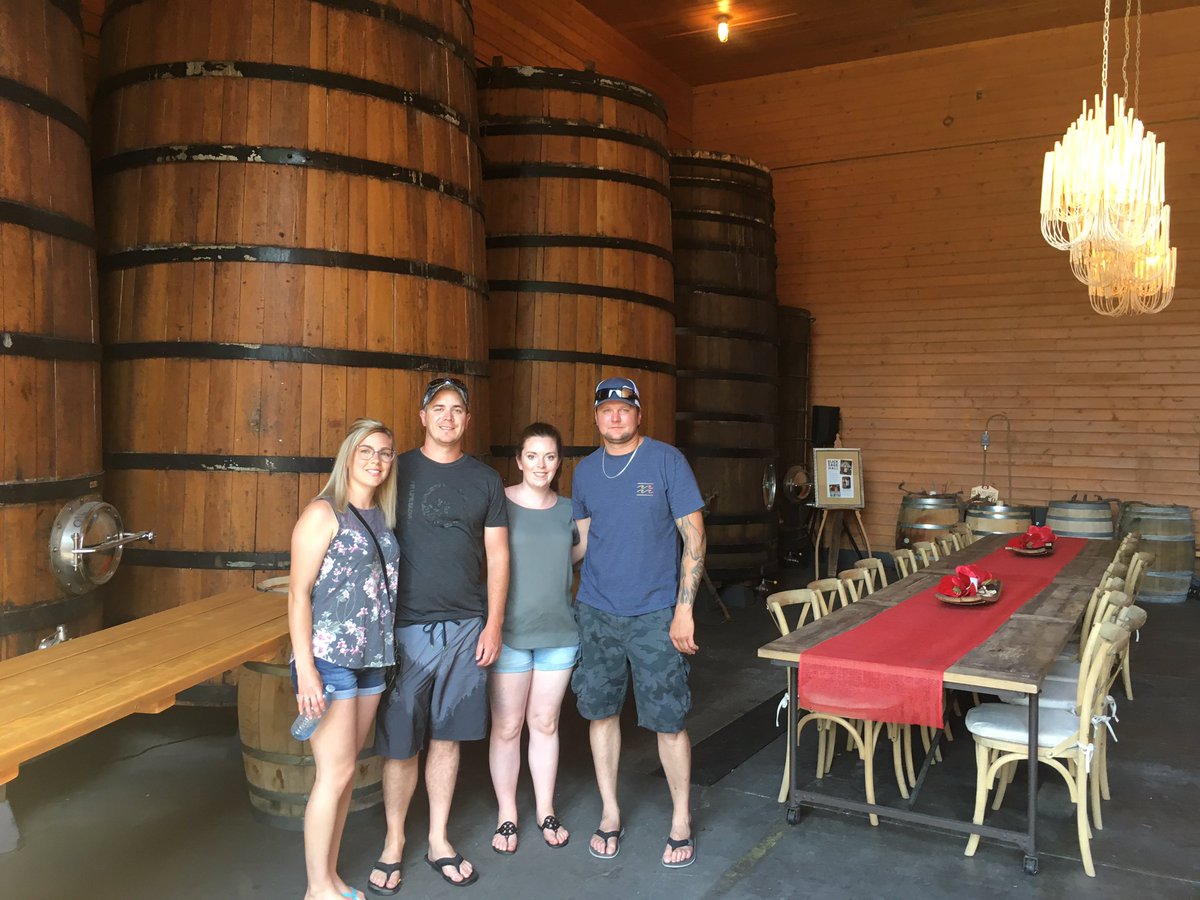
155 806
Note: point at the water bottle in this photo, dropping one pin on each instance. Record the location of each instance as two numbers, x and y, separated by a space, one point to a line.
304 726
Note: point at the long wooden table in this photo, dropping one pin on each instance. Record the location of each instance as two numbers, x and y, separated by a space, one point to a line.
1016 657
51 697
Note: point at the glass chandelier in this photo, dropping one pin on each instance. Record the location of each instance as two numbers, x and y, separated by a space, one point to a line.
1103 200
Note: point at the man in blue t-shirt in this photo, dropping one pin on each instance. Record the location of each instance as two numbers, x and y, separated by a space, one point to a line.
634 499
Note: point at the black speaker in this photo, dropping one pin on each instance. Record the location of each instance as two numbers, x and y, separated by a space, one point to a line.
826 422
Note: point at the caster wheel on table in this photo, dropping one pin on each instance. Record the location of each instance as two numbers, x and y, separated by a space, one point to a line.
793 816
1031 865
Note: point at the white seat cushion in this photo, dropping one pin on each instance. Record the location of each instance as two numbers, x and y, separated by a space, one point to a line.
1054 695
1064 670
1004 722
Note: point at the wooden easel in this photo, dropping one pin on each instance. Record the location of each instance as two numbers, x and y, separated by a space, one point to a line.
838 524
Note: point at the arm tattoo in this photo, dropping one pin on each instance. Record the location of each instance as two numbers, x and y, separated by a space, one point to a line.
691 566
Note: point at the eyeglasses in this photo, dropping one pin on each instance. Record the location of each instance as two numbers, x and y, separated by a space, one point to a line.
431 390
366 453
629 395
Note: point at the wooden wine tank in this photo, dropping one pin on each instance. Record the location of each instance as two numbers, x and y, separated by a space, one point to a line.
725 339
49 342
292 237
578 253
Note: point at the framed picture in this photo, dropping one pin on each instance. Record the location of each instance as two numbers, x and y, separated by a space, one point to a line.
837 478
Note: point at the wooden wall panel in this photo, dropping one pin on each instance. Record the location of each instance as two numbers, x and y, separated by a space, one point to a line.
906 194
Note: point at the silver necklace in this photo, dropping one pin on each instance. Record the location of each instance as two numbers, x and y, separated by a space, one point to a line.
604 455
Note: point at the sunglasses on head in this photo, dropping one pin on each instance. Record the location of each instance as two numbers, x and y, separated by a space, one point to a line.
438 384
622 393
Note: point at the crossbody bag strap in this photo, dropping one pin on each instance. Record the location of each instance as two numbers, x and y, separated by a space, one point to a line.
378 550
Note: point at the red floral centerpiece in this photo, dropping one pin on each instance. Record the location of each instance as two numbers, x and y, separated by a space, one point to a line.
969 585
1039 538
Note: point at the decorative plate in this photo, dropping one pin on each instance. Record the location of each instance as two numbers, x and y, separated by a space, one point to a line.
989 592
1038 551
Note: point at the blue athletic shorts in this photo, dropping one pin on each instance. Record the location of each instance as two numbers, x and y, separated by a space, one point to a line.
544 659
346 683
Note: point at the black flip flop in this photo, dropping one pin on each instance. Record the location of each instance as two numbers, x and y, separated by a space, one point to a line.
506 830
607 836
679 845
456 861
388 870
551 823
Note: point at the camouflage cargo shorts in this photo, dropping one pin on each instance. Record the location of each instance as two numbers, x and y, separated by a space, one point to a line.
610 647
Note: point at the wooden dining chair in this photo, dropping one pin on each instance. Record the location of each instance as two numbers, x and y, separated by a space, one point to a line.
874 568
831 590
966 537
926 551
1138 564
949 544
1065 741
858 582
808 605
905 560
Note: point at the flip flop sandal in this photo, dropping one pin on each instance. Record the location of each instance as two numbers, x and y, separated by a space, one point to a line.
551 823
388 870
506 830
352 894
607 836
456 861
679 845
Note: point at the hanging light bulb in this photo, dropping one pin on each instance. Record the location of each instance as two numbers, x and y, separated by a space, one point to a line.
723 29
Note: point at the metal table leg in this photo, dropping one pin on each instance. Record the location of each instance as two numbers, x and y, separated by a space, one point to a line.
793 809
1031 857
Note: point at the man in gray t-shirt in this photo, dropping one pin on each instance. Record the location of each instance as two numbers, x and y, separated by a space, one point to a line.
452 527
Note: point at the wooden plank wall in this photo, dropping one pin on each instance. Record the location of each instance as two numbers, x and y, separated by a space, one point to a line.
527 33
907 216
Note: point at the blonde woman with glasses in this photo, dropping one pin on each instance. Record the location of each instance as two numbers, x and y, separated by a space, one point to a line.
340 616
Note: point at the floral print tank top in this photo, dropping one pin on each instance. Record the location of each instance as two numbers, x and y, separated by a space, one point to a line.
352 611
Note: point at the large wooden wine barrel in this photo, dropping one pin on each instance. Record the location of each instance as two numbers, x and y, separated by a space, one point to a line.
725 345
926 517
1167 532
279 769
49 341
983 519
1091 519
292 237
578 252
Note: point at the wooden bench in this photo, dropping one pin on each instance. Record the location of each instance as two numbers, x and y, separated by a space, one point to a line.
51 697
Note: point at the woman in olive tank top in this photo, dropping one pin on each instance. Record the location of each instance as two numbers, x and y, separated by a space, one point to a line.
541 642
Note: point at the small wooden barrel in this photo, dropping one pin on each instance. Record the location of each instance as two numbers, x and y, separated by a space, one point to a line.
926 517
578 253
1167 532
292 237
279 768
49 346
726 339
1092 519
984 520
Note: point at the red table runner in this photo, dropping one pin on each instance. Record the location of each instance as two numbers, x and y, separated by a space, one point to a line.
889 668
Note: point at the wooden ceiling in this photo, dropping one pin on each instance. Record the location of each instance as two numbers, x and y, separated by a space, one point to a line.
769 36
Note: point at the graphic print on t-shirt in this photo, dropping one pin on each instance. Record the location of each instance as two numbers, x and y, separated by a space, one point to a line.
442 505
645 488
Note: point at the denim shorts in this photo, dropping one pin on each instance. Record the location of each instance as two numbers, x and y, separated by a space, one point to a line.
544 659
346 683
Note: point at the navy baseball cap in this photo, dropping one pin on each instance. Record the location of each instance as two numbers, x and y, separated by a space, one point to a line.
622 389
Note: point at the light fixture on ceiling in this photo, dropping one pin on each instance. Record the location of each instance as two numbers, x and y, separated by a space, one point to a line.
723 28
1103 199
